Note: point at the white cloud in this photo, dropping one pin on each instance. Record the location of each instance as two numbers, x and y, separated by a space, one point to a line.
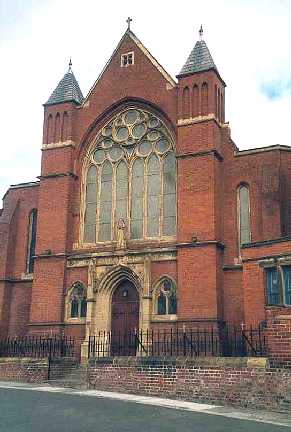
249 41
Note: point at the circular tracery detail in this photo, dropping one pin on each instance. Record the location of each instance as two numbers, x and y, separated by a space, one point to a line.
128 129
131 176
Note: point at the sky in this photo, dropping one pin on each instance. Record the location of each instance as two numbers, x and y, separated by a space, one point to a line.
250 42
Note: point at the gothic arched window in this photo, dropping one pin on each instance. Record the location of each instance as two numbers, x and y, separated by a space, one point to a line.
31 241
131 176
166 298
78 301
244 228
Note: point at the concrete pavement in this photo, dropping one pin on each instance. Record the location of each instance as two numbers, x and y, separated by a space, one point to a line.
31 408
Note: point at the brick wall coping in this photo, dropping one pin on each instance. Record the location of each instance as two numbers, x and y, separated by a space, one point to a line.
203 362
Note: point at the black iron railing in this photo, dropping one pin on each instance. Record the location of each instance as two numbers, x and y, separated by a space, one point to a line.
228 342
39 347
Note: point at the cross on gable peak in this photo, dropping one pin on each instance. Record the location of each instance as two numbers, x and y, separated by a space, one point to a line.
128 22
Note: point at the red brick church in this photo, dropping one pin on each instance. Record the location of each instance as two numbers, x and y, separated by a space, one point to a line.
145 214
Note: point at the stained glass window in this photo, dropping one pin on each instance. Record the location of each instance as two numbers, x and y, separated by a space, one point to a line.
131 175
166 298
78 301
31 241
279 285
244 214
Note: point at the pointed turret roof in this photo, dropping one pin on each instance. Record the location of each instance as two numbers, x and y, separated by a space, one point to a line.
199 60
67 90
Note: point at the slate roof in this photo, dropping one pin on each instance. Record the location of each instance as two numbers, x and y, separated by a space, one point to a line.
67 90
199 60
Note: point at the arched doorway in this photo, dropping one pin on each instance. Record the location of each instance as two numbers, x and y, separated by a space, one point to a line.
124 319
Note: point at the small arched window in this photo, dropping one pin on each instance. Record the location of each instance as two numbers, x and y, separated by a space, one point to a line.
78 301
166 298
243 204
64 131
31 241
186 103
195 101
204 99
57 131
49 137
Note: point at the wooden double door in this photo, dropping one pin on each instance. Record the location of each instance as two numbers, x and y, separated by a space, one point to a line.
124 319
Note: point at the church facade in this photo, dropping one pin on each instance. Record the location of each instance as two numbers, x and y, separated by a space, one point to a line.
145 214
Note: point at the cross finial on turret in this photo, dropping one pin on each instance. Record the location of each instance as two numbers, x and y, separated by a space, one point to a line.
128 22
70 65
201 32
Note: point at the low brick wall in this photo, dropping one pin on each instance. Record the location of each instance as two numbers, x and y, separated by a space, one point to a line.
247 382
23 369
60 367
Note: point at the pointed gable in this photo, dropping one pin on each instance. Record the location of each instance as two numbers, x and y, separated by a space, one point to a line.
130 36
67 90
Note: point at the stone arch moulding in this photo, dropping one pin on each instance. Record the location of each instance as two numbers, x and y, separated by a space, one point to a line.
113 110
101 318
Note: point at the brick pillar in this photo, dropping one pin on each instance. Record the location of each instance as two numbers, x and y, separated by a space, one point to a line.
278 338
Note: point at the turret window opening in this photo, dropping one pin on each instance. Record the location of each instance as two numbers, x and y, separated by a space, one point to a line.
186 103
195 99
131 177
204 99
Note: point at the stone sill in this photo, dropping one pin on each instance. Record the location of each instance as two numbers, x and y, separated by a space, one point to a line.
204 362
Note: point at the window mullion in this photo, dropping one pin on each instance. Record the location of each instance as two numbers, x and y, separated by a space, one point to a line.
281 284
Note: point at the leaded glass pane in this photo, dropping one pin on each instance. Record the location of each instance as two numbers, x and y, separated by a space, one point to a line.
83 311
273 286
169 198
161 304
137 199
287 284
105 203
139 130
91 206
90 233
172 304
91 192
104 232
169 226
74 308
131 117
244 217
153 199
121 191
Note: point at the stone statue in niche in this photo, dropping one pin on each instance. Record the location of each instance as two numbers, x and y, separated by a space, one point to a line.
121 234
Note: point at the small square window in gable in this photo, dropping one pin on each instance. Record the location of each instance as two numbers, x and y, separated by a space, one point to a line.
127 59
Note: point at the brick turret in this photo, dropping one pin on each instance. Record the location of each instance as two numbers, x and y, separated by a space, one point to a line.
199 154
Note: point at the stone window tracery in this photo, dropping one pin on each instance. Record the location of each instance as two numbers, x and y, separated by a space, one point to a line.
166 298
131 175
78 301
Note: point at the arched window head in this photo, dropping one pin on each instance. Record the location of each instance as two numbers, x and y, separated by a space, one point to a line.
204 99
243 204
186 103
78 301
195 101
130 176
166 298
31 241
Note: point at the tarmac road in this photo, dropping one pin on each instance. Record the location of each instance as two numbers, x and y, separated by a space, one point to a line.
25 408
